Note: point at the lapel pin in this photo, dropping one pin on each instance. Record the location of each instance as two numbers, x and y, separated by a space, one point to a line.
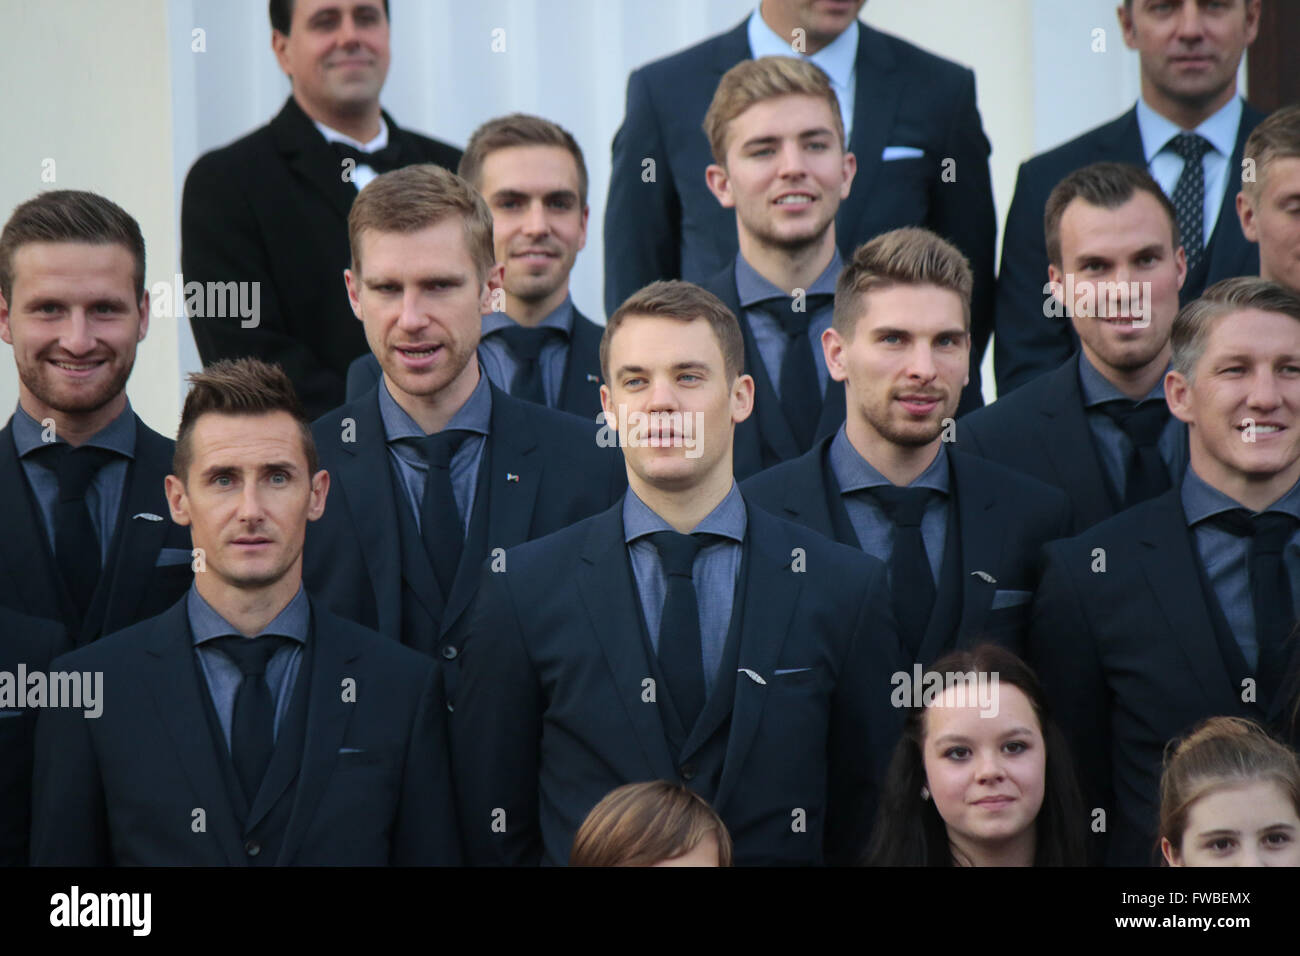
593 378
751 675
985 576
510 476
147 516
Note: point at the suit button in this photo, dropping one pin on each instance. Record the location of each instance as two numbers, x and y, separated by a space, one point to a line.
688 771
252 848
449 652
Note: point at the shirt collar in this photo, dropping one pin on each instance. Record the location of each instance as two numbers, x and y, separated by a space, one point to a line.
561 318
334 136
474 416
1097 389
855 473
728 520
118 435
754 288
1201 500
838 59
206 623
1220 129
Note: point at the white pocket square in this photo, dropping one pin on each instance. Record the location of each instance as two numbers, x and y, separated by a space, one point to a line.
901 152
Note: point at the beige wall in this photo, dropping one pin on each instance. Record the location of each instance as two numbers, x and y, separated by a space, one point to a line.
87 85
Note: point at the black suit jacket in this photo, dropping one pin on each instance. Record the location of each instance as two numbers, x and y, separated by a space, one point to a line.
553 711
672 227
370 789
1042 431
546 471
149 561
1028 343
579 388
31 642
1003 520
1130 660
273 208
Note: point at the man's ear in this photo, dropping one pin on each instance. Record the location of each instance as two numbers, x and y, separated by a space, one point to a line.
5 334
607 403
144 316
1246 213
833 345
742 398
719 183
177 500
353 282
320 489
1126 26
1178 394
1056 283
279 44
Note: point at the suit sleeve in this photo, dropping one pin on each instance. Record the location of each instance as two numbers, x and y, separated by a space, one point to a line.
496 732
864 726
69 812
1063 652
1027 342
642 218
221 242
426 832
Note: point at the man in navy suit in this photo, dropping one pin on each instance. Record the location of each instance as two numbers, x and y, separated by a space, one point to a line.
436 468
246 725
536 345
1267 202
87 539
1188 128
680 635
908 116
1098 427
270 210
1183 607
959 534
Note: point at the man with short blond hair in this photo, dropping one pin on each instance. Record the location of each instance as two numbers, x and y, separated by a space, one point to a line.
1269 201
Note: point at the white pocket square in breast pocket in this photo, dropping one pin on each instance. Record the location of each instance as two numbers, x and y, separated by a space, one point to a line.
901 152
1010 598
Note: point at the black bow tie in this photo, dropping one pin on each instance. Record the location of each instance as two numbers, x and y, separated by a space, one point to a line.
381 160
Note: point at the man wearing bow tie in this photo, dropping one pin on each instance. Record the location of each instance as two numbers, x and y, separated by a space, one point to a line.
272 207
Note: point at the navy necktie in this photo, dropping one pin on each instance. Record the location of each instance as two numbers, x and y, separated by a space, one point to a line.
76 543
441 526
681 654
1189 194
1145 473
252 737
526 345
801 393
910 579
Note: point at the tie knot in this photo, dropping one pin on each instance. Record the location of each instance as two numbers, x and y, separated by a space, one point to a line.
1270 530
1143 423
794 322
1190 146
250 654
527 343
904 506
76 467
439 447
677 551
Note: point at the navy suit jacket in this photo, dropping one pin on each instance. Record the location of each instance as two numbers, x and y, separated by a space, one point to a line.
1003 520
1029 344
369 789
546 472
579 389
673 228
272 208
148 566
1042 431
32 642
1130 660
553 711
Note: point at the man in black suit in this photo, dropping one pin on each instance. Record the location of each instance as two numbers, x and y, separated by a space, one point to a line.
680 635
1267 202
536 345
959 534
29 643
1098 427
436 468
1187 128
1181 608
270 210
87 540
246 725
909 117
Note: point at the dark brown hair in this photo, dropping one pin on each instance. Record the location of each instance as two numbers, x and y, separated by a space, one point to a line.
518 129
1107 185
281 12
245 386
686 302
641 824
70 215
909 256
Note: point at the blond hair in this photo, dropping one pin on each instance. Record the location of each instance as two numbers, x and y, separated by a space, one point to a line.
1277 137
755 81
641 824
1195 321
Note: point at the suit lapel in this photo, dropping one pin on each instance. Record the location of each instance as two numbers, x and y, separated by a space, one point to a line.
806 491
1067 442
580 388
27 555
1121 142
309 154
982 544
775 436
611 602
169 671
875 104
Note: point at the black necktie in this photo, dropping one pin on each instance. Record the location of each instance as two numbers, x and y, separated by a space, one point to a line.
251 726
681 655
1270 588
76 544
910 578
525 345
801 393
381 160
1146 474
1189 194
440 520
